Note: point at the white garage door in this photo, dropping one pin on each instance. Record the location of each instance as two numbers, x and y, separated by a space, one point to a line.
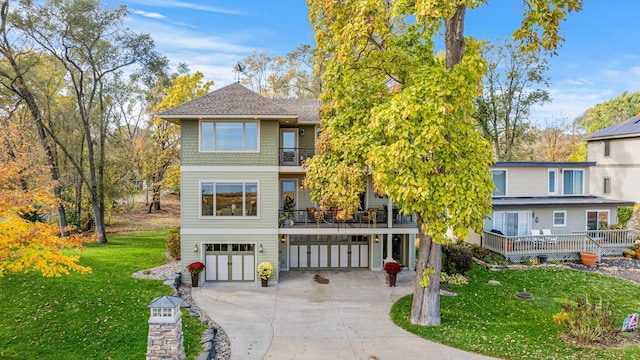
230 262
329 252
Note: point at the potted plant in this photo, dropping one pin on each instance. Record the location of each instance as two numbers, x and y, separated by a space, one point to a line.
628 253
265 270
195 268
392 269
288 207
588 258
636 248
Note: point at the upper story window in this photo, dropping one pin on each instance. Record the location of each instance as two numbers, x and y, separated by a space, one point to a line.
573 182
607 148
229 136
229 199
500 180
553 190
606 186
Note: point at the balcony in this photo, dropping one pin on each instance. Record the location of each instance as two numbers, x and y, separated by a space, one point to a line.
313 218
561 247
294 156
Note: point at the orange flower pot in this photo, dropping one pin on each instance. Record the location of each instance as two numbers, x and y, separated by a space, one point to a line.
588 258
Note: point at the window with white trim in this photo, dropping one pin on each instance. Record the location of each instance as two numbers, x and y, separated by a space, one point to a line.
559 218
229 136
573 182
500 181
552 189
229 199
161 312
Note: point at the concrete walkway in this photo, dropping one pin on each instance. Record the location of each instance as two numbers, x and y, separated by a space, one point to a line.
301 318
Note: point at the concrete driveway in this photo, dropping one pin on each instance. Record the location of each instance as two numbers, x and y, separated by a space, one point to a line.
304 317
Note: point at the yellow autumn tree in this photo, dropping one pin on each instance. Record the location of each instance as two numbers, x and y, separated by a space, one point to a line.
26 196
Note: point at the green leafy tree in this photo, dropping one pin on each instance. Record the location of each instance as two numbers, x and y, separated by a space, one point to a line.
397 111
610 112
512 85
163 149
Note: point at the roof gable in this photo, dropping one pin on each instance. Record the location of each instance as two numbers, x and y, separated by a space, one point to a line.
233 100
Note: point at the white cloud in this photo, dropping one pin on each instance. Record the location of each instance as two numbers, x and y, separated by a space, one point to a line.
187 5
152 15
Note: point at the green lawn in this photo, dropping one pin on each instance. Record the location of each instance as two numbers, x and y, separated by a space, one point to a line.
491 320
102 315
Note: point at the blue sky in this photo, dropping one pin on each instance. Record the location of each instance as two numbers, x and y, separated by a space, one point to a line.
599 59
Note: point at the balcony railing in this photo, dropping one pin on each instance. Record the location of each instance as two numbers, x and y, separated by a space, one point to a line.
295 156
328 219
560 247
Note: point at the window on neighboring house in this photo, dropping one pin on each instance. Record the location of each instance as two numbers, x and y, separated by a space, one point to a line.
597 219
229 199
500 180
559 218
552 182
606 186
229 136
573 183
607 148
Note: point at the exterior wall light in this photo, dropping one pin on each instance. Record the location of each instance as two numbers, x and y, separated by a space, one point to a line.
195 248
260 248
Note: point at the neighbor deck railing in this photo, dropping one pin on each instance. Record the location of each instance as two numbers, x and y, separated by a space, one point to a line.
560 247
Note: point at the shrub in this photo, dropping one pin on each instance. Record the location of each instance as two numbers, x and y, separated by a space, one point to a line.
588 323
173 244
455 279
624 214
457 259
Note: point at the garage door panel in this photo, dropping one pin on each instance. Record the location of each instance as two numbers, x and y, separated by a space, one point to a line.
344 256
294 251
324 261
303 256
249 267
223 267
364 255
211 267
335 256
314 261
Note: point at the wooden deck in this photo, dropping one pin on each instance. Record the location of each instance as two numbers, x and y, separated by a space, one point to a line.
561 247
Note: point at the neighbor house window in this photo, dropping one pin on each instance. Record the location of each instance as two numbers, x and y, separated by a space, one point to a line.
573 182
559 218
607 148
597 219
229 199
606 186
500 180
552 182
228 136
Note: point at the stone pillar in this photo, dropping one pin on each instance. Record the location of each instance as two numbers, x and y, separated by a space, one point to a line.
165 341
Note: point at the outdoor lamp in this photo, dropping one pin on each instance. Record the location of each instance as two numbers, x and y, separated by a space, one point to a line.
377 239
260 248
283 239
195 248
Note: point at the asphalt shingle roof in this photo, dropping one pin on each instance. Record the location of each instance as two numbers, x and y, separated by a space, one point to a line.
306 109
626 129
231 100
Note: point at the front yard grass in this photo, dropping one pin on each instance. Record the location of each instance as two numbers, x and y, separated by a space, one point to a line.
491 320
102 315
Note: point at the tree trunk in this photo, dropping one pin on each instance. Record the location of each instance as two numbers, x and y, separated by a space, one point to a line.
425 309
454 36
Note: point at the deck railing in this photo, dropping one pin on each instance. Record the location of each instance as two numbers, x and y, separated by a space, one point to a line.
328 218
295 156
560 247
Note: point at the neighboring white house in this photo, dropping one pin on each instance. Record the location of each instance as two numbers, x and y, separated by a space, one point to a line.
547 195
616 151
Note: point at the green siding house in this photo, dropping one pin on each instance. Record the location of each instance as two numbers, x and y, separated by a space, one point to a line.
243 200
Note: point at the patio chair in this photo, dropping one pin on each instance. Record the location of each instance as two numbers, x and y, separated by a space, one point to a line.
548 237
536 238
